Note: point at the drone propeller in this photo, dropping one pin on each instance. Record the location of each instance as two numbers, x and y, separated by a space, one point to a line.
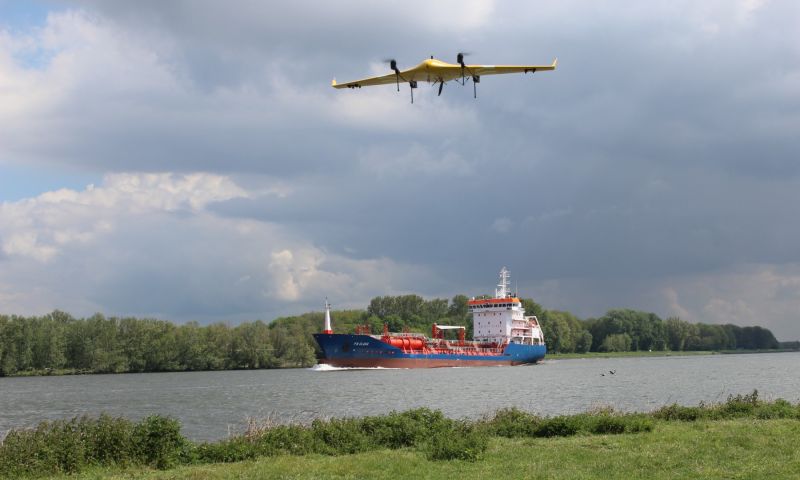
441 86
411 83
393 65
464 69
460 60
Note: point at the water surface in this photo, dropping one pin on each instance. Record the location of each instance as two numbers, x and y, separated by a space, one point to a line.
210 405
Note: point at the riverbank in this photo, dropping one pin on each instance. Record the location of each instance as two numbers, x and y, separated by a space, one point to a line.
660 353
550 356
743 448
644 353
743 435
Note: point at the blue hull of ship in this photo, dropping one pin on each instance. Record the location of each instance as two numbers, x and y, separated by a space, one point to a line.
364 351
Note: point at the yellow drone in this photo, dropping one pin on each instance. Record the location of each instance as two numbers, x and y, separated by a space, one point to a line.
436 71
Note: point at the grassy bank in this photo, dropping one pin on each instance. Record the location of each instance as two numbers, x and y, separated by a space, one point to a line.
729 449
660 353
743 434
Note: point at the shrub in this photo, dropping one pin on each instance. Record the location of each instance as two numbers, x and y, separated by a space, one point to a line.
405 429
459 442
777 409
607 424
615 424
158 441
678 412
235 449
109 441
66 446
339 437
638 423
557 427
291 439
737 406
50 448
512 422
394 430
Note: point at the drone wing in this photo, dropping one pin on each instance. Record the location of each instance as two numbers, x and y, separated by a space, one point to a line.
392 78
367 82
481 70
438 71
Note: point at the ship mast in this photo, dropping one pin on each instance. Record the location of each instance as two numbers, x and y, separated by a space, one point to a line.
503 288
327 328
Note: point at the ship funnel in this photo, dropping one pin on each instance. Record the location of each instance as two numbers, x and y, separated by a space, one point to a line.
327 328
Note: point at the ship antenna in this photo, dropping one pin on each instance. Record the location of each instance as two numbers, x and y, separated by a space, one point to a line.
327 328
503 287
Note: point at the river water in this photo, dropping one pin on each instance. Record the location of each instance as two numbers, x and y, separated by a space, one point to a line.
211 405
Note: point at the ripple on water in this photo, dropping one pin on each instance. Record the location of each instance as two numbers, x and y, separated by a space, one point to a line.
209 403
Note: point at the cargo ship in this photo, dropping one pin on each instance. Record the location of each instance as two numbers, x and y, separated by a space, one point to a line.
502 335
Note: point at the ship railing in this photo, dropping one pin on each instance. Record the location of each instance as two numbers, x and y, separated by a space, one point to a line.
455 348
481 351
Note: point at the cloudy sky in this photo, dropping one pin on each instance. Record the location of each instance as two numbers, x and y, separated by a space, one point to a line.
189 160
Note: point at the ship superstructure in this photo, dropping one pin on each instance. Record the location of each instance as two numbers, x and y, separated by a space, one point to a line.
503 335
502 318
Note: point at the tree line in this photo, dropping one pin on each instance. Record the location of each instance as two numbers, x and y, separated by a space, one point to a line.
617 331
57 342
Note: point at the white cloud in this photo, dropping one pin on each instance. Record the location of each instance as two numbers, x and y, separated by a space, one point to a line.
126 100
146 243
675 307
187 86
756 294
42 226
721 311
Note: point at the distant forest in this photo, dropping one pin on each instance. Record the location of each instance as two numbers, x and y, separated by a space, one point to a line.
59 343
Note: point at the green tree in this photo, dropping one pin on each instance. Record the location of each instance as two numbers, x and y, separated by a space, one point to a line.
583 342
617 342
678 333
459 307
531 307
557 331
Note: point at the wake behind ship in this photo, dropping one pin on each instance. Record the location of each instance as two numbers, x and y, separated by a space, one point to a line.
503 335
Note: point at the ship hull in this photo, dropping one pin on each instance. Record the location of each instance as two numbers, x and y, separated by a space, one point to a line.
365 351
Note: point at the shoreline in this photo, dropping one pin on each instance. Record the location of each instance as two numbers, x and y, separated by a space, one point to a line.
549 356
743 432
659 353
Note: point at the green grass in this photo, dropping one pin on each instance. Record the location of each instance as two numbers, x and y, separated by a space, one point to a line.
728 449
743 437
